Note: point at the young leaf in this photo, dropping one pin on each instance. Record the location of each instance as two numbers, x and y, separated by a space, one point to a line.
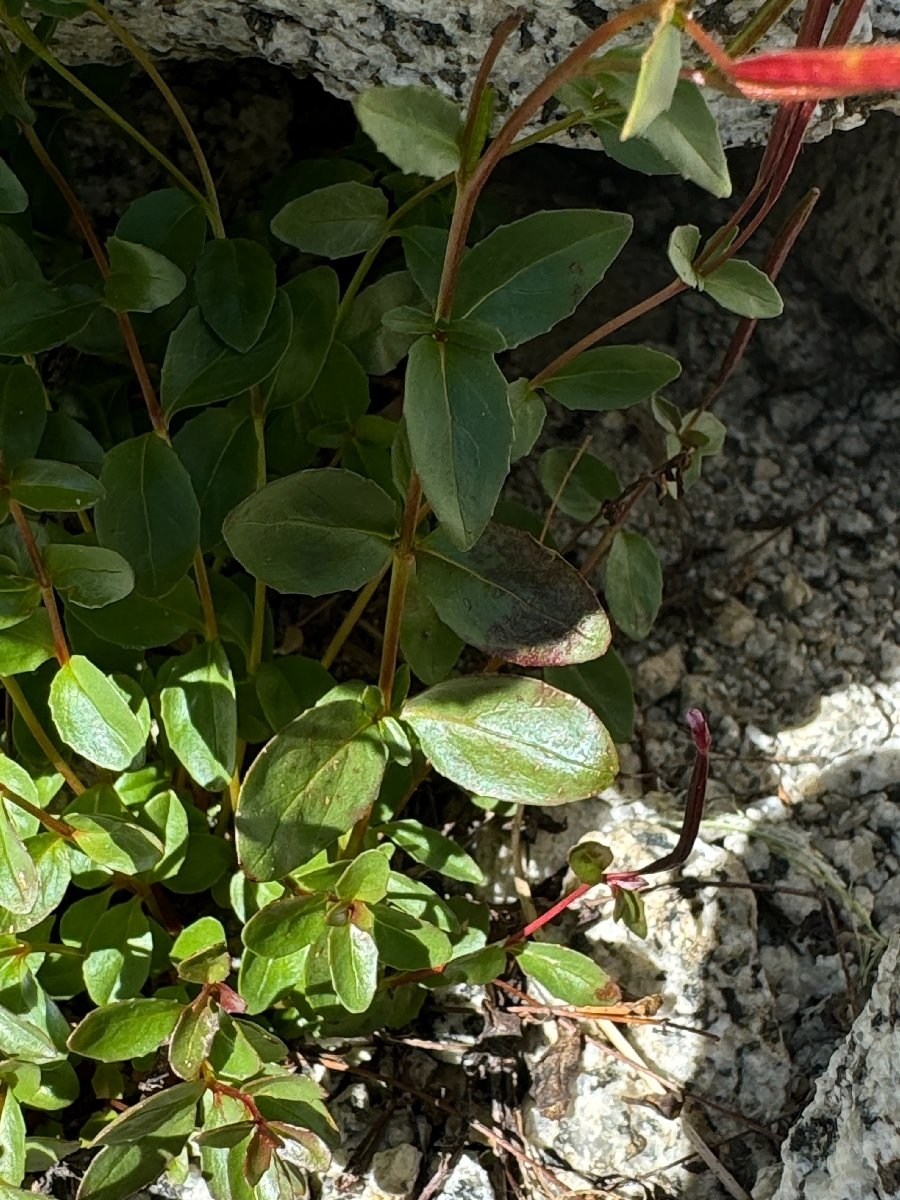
125 1030
12 1145
199 713
429 646
683 243
353 963
529 413
603 685
743 289
633 585
13 197
417 128
88 576
193 1037
47 486
406 942
168 221
93 716
657 79
571 977
286 926
307 787
460 433
23 413
525 277
365 879
142 279
335 222
26 645
512 597
589 860
609 377
513 738
314 532
433 850
117 962
19 881
579 491
36 317
235 282
313 297
629 909
203 934
376 347
114 843
149 514
200 369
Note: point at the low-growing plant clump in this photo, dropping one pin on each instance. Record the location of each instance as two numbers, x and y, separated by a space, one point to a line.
214 845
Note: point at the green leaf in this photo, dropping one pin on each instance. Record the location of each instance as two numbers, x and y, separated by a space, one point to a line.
353 963
376 347
142 279
335 222
460 433
150 514
93 716
117 962
193 1038
52 857
168 221
308 786
12 1146
26 645
19 881
417 128
199 713
88 576
433 850
579 491
36 317
529 413
629 909
17 263
314 532
429 646
589 860
200 369
406 942
609 377
424 249
686 135
46 486
203 934
23 413
262 981
313 297
341 391
513 738
235 282
159 1115
633 584
23 1039
682 250
289 686
66 440
525 277
286 926
114 843
603 685
569 976
743 289
218 450
656 81
13 197
512 597
166 816
141 622
125 1030
365 879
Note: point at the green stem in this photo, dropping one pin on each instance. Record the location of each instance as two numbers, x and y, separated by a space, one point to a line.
62 828
23 32
140 56
346 627
401 569
209 609
34 727
259 588
501 35
61 646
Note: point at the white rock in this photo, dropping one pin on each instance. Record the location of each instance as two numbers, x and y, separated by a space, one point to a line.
468 1181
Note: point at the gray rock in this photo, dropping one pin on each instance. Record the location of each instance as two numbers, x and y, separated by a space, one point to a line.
468 1181
660 674
351 45
846 1146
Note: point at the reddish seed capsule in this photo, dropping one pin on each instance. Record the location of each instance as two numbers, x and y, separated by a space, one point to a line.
810 74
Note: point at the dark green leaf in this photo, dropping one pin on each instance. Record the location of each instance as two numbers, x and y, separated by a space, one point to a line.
460 433
193 1038
235 282
67 440
199 713
633 584
289 686
341 391
417 128
433 850
376 347
286 926
525 277
425 248
262 981
45 486
142 279
23 413
117 962
36 317
479 967
656 81
13 197
513 738
629 909
578 490
743 289
365 879
92 715
353 962
307 787
17 263
150 514
313 296
218 450
314 532
610 377
200 369
418 900
569 976
528 413
512 597
406 942
88 576
336 221
429 646
114 843
589 860
168 221
141 622
605 686
125 1030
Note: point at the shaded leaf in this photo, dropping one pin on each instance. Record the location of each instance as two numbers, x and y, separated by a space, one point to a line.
117 960
605 686
36 317
376 347
633 584
336 221
23 413
168 221
313 297
743 289
142 279
235 283
579 490
46 486
609 377
433 850
429 646
218 450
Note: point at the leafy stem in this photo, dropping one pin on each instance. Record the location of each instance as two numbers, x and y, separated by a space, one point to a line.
61 646
37 731
346 627
401 569
54 824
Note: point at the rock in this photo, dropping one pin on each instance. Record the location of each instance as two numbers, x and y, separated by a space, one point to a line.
468 1181
660 674
355 44
393 1174
734 624
846 1145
